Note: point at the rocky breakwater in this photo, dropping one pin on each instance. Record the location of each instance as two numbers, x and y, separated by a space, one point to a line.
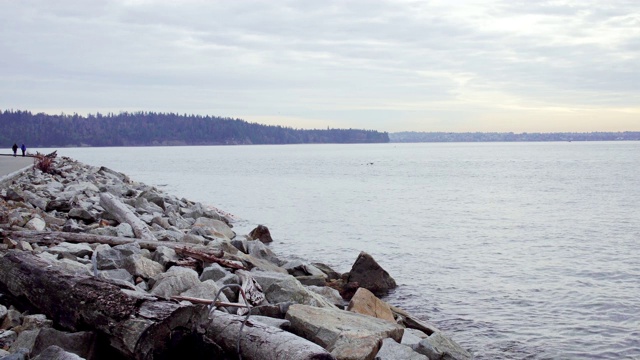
96 266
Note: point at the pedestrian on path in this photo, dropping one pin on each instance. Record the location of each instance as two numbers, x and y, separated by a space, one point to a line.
23 148
15 149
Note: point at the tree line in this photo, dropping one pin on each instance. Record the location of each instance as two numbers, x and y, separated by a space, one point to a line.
160 129
412 136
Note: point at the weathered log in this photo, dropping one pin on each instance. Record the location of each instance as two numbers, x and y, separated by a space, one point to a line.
139 329
208 257
124 215
259 341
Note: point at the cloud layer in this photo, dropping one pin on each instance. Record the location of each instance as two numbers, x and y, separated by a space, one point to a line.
386 65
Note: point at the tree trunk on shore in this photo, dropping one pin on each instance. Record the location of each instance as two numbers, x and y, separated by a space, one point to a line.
139 329
124 215
260 342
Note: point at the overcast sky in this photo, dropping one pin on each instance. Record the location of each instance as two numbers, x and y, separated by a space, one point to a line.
450 65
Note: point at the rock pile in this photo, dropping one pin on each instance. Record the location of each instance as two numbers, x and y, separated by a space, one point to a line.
94 265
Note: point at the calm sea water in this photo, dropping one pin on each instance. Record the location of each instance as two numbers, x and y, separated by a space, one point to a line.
516 250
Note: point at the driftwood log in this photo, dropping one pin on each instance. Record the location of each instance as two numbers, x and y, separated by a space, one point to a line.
143 328
138 329
123 214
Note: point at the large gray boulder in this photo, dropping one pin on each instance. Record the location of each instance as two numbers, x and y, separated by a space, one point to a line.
215 227
54 352
279 288
371 276
345 334
259 250
138 265
114 258
78 250
80 343
205 290
213 272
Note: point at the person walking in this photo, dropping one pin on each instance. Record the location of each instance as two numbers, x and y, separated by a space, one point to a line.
15 149
23 148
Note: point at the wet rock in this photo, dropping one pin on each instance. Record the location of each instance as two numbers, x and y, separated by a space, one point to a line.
261 233
344 333
371 276
391 350
364 302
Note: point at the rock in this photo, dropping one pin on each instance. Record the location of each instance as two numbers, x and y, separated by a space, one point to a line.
193 239
74 267
72 226
36 224
113 258
82 214
410 321
143 206
269 321
83 187
346 334
165 256
240 244
369 275
154 198
299 268
54 352
36 321
364 302
261 233
24 246
412 337
317 280
330 294
7 337
205 290
3 312
78 250
391 350
259 250
59 205
80 343
230 292
213 272
285 288
19 354
162 221
11 320
14 194
174 282
25 340
331 274
138 265
116 274
438 346
215 227
35 200
124 230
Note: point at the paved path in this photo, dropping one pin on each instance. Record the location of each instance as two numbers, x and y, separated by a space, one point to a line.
10 164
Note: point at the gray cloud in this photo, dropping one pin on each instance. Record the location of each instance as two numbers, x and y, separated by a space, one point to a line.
389 65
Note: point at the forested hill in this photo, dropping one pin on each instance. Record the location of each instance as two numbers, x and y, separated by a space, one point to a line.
160 129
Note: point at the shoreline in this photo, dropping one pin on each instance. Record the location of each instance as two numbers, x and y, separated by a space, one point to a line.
94 196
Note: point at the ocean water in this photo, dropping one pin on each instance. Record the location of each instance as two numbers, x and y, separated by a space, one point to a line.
515 250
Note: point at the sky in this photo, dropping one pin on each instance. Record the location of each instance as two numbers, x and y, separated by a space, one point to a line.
455 66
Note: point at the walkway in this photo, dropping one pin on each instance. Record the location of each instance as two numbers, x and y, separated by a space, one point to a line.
10 165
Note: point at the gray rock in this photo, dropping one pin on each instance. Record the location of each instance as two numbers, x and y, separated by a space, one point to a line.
300 268
4 354
80 343
35 321
327 270
138 265
269 321
24 246
74 267
213 272
12 319
72 226
35 200
165 256
317 280
113 258
78 250
240 244
36 224
261 233
14 194
3 312
82 187
230 292
391 350
25 340
124 230
60 205
54 352
412 337
104 231
162 221
347 335
285 288
154 198
18 354
174 282
145 207
259 250
438 346
82 214
193 239
371 276
116 274
7 337
330 294
215 228
205 290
